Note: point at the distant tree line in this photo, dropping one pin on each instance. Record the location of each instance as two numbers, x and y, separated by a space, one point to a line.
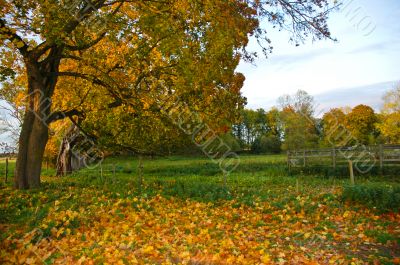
294 125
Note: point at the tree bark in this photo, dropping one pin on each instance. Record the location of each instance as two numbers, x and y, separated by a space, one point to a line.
63 163
34 131
32 143
67 160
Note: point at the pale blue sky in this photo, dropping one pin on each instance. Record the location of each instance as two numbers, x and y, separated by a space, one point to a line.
366 55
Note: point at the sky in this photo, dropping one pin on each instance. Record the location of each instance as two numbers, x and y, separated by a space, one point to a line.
359 68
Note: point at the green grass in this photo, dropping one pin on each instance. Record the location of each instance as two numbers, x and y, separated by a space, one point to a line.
11 167
199 178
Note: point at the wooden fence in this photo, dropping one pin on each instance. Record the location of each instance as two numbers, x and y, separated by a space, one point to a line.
5 161
367 156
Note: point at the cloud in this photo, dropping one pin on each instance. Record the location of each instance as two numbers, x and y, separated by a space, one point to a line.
376 47
291 60
369 48
370 95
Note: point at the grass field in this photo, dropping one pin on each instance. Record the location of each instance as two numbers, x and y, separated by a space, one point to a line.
183 213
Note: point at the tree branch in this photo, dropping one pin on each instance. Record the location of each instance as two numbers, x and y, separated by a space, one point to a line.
59 115
41 49
86 45
95 80
12 36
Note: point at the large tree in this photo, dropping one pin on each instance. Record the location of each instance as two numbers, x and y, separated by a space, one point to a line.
56 40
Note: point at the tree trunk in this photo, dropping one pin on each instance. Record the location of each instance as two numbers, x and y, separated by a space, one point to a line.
63 163
67 160
34 131
32 143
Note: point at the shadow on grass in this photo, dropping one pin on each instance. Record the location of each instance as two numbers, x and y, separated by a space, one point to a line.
213 169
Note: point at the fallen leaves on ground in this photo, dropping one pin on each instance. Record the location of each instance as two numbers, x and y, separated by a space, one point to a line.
159 230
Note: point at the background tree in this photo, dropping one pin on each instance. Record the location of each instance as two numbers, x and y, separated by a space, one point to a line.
301 102
389 126
266 144
257 124
361 124
268 140
334 128
274 123
249 124
299 131
298 122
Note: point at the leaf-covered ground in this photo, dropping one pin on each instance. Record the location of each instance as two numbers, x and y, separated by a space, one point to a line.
260 220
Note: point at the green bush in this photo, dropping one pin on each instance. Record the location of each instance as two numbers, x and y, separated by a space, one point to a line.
385 198
266 144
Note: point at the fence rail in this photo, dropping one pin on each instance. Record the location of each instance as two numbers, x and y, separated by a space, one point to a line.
376 155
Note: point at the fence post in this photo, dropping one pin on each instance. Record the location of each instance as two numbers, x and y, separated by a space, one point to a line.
113 173
101 171
288 159
334 157
140 172
381 156
6 170
304 158
351 172
225 180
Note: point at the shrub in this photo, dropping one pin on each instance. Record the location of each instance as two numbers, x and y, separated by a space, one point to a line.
266 144
385 198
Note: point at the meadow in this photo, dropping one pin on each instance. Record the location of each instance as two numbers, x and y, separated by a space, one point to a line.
183 212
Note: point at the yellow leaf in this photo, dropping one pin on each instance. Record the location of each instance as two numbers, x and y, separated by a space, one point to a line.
346 214
265 259
30 261
148 249
20 44
81 260
60 231
125 227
